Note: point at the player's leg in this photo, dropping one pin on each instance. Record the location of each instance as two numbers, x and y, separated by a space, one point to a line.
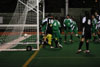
59 39
71 35
44 40
87 47
94 31
49 38
65 33
43 34
76 33
56 42
55 33
94 37
98 33
87 37
58 45
80 45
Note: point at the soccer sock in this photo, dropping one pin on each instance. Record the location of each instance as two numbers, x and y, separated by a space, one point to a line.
56 42
45 43
87 46
78 36
80 45
60 40
52 42
94 38
99 35
71 37
65 37
41 39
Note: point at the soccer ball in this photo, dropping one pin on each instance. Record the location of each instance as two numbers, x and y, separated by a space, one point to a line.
25 35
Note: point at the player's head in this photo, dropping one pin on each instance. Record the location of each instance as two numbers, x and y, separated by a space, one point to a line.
93 16
68 16
49 15
96 13
71 17
87 14
55 17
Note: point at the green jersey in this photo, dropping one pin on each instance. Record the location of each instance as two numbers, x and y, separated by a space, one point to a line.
94 22
56 32
94 25
74 25
67 22
56 25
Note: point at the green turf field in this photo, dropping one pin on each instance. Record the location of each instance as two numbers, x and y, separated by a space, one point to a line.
46 57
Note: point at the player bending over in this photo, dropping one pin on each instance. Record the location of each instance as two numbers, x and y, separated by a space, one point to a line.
47 31
56 33
75 28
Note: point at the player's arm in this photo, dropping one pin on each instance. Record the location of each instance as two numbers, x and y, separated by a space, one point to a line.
64 24
59 25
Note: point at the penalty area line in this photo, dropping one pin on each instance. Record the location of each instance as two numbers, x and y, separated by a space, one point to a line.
31 58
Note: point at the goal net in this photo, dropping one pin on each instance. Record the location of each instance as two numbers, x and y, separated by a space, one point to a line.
23 28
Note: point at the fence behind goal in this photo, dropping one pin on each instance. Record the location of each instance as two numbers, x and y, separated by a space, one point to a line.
23 28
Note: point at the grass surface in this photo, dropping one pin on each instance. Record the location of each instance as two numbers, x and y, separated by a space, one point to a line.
65 57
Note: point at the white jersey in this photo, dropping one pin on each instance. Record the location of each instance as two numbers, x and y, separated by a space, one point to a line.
98 25
84 22
48 20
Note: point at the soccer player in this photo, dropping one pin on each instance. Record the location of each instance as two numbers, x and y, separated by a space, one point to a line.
56 33
67 28
75 27
43 30
86 33
47 30
94 27
97 16
98 21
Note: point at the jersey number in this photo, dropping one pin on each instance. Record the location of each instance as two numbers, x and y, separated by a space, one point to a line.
55 24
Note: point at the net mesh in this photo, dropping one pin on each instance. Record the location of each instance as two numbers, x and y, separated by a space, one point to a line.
23 28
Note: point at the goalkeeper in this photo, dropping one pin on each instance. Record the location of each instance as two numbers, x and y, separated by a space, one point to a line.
47 31
56 33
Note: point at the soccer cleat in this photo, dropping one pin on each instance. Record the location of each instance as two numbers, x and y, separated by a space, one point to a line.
51 47
76 35
60 45
86 51
71 41
64 41
79 51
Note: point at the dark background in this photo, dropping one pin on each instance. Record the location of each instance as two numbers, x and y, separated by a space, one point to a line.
7 6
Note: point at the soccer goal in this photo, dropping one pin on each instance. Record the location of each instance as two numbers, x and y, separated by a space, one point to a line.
23 28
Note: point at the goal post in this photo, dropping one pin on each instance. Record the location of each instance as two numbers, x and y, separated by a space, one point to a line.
23 28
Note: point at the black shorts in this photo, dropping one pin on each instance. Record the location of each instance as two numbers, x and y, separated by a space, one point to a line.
87 35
